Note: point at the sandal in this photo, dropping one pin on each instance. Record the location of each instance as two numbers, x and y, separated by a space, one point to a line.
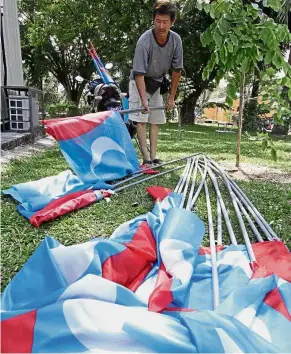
147 163
157 161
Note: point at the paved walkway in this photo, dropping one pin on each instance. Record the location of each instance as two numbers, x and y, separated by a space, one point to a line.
26 150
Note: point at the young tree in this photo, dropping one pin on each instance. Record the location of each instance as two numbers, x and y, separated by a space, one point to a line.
240 37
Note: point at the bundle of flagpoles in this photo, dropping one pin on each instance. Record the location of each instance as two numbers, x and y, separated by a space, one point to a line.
102 71
247 215
203 173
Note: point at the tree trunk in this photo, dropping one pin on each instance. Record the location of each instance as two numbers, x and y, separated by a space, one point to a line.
188 106
74 95
251 119
241 108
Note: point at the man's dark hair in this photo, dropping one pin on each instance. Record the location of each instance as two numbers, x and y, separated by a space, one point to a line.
164 7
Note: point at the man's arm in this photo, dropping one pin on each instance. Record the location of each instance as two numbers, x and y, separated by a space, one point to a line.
140 84
176 75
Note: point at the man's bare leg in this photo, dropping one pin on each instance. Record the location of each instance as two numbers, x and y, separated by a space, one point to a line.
154 131
142 139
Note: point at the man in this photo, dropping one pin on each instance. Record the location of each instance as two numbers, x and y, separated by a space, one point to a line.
158 50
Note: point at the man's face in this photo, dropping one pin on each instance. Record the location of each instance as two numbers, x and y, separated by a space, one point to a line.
162 24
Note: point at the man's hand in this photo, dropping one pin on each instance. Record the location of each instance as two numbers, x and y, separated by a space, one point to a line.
140 84
171 103
145 104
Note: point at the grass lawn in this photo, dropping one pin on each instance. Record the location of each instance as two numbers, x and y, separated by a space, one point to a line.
20 238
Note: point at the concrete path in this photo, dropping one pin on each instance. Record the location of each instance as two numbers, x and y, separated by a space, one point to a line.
26 150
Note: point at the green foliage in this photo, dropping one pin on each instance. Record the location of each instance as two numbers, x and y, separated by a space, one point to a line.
190 26
266 143
56 35
276 94
66 109
240 37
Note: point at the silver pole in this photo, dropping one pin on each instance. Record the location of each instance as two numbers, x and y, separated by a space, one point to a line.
184 194
215 282
219 222
139 173
254 214
243 198
138 110
223 208
193 184
147 179
166 163
182 178
259 215
250 221
267 227
203 177
179 123
126 180
240 219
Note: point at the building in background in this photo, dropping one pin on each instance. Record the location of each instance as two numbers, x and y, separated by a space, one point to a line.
19 104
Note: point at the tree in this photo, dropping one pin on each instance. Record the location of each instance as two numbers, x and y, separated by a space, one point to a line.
56 35
190 26
240 37
254 107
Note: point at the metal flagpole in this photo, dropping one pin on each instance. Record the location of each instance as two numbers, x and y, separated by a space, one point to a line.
139 173
139 110
239 217
214 267
166 163
182 176
193 184
184 194
253 213
250 221
223 208
147 179
203 177
179 190
219 222
249 207
246 201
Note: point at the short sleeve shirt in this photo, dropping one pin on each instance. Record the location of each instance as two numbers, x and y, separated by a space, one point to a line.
154 60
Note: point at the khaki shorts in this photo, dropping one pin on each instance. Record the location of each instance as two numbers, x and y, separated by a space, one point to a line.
154 117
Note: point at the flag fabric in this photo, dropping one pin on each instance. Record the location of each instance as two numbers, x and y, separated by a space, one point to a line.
98 148
148 288
34 196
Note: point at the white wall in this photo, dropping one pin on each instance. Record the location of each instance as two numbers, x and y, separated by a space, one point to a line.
12 44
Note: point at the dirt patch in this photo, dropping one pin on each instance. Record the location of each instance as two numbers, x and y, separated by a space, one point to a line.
249 172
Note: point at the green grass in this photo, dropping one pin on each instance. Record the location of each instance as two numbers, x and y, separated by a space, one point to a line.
20 238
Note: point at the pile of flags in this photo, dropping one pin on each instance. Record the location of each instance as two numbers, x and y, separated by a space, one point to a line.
153 287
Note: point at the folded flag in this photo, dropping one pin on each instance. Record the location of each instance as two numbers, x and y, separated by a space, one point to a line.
148 289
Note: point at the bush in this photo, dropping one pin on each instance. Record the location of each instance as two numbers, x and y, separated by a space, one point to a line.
66 110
